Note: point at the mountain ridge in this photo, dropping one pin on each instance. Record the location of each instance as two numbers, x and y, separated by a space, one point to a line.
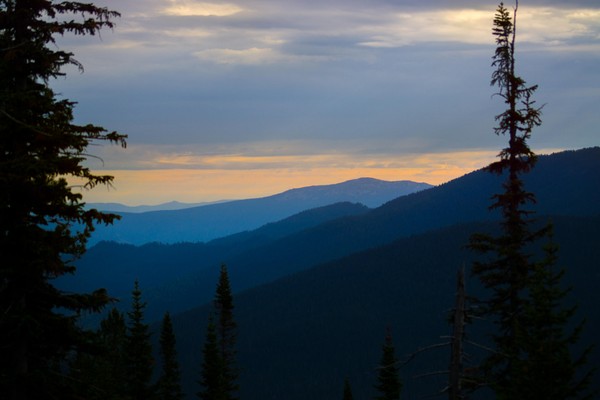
204 223
257 260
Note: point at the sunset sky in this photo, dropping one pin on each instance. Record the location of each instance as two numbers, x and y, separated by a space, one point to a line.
240 99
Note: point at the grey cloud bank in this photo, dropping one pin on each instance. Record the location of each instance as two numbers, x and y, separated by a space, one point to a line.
346 76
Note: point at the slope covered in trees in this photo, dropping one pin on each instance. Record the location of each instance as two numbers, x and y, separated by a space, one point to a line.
327 322
565 184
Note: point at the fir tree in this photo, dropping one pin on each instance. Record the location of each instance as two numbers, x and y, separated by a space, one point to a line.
347 390
524 299
219 371
102 374
139 349
169 386
211 378
226 331
43 223
388 381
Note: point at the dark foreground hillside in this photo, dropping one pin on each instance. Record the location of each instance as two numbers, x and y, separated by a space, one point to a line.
299 337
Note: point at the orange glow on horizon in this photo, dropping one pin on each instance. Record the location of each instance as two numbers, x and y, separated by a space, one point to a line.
155 186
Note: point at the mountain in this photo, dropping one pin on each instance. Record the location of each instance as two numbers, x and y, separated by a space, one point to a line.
122 208
116 265
183 275
201 224
313 299
301 336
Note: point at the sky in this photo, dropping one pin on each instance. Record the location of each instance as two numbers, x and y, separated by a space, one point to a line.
240 99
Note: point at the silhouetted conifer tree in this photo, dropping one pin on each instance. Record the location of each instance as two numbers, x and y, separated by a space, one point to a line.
139 349
169 383
347 390
226 330
388 380
219 370
101 375
212 365
43 223
524 300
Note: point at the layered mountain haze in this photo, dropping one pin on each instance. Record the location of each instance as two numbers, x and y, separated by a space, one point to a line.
123 208
180 276
316 291
204 223
302 335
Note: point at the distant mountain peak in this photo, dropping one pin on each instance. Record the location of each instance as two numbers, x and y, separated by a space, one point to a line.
207 222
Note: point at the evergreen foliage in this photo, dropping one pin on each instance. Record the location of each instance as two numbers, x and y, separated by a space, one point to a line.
40 148
102 374
347 390
219 370
226 330
524 295
211 365
388 381
169 385
139 362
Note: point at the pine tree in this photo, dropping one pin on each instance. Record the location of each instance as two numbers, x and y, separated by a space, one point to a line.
211 378
113 336
169 386
43 223
521 289
388 380
347 390
101 375
219 371
226 330
139 349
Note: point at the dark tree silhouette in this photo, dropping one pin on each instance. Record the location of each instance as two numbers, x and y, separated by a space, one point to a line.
169 384
388 380
102 374
347 390
139 349
226 331
43 224
211 375
219 370
521 290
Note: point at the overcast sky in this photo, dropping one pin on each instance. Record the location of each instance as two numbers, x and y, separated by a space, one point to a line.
248 98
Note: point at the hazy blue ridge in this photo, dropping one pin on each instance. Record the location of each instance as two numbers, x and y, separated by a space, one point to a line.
208 222
182 276
123 208
115 265
316 291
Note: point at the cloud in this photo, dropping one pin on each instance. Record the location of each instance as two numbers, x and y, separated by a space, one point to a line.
193 185
283 85
193 8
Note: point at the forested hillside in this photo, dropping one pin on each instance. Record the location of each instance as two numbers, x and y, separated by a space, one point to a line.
177 277
327 322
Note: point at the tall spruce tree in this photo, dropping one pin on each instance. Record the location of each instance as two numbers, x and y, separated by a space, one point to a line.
101 375
169 383
388 380
40 147
227 332
219 370
211 375
347 395
524 294
139 349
